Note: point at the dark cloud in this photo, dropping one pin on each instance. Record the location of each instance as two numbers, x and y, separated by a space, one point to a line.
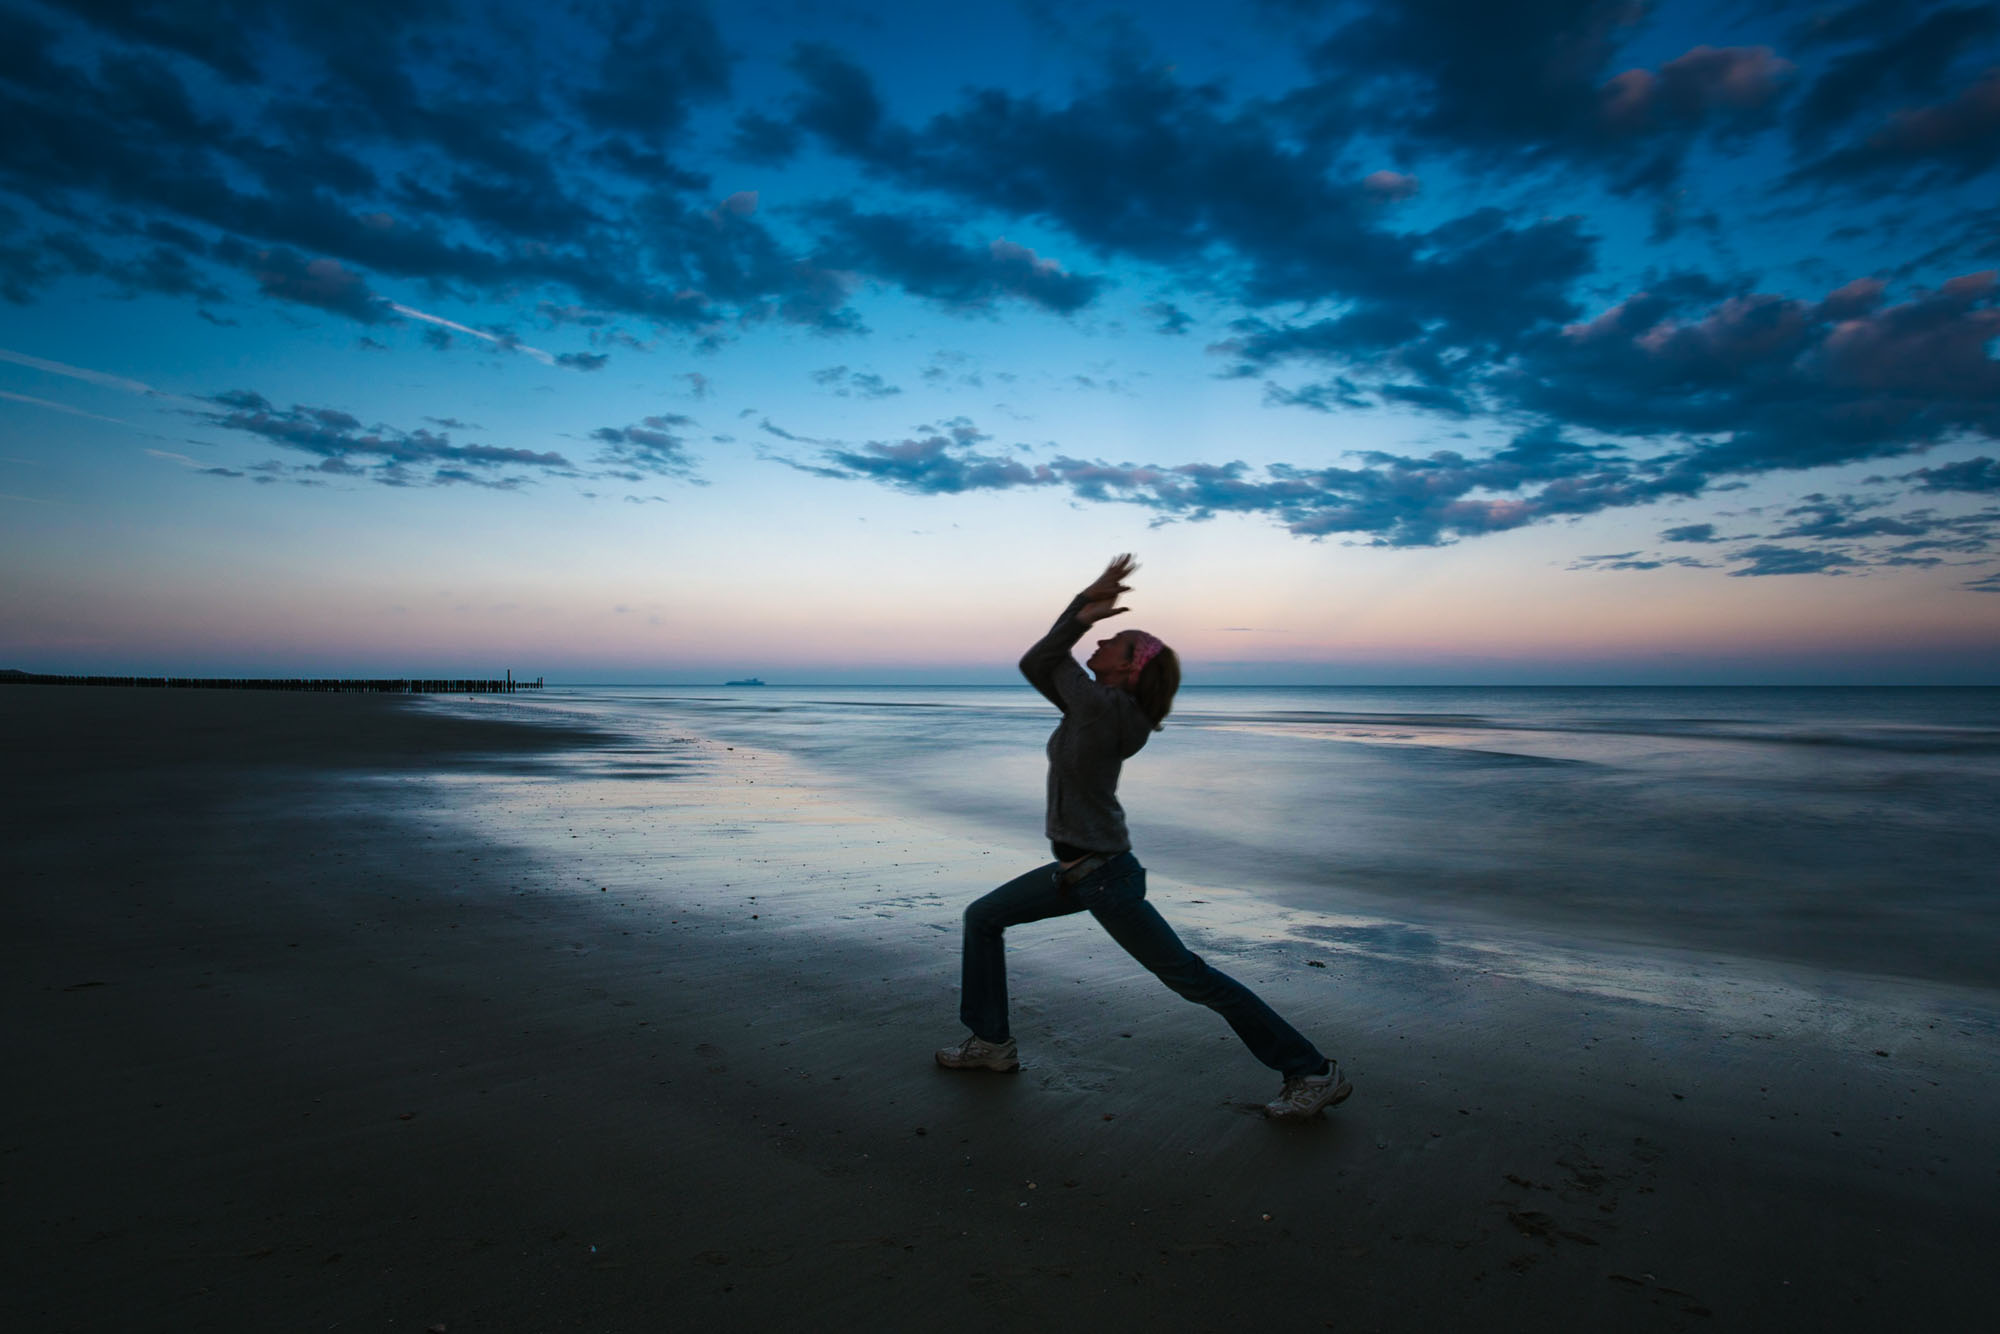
394 457
492 197
1169 318
582 361
1154 170
1958 137
1388 500
162 269
653 447
1692 532
1335 395
1467 293
325 283
840 105
847 383
371 143
919 254
1534 84
770 428
661 59
1984 584
1961 534
937 462
1771 559
762 141
1824 519
1902 54
218 33
1978 475
1762 382
1632 560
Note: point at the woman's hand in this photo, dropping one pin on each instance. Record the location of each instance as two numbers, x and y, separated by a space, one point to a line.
1101 598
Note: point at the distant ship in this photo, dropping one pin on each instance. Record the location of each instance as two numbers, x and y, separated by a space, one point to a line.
747 681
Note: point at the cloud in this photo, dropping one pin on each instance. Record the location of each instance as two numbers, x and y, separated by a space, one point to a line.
1883 70
394 457
1977 475
659 61
161 269
339 157
1632 560
1390 187
847 383
1693 532
918 253
1734 85
1530 85
1823 519
653 447
1956 138
763 141
1761 382
936 462
1152 170
1388 500
1771 559
325 283
495 191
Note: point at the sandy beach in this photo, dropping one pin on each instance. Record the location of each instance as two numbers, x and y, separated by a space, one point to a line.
337 1012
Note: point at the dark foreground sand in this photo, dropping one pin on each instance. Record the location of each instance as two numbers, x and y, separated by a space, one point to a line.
294 1042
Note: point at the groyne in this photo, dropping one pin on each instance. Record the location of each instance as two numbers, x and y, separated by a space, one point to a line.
374 686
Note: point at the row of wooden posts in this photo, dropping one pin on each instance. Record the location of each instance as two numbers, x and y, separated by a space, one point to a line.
411 686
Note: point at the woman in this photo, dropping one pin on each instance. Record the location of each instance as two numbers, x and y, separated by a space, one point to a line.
1104 723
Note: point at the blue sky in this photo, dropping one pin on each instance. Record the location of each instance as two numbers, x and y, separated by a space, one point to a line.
1436 341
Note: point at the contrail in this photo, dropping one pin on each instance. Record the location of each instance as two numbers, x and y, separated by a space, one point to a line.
59 407
92 377
513 343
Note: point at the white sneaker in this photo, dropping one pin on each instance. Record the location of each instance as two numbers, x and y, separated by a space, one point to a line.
1308 1094
978 1054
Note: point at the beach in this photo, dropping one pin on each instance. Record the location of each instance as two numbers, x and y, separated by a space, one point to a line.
343 1011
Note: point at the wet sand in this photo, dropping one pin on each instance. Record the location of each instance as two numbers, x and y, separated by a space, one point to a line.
333 1012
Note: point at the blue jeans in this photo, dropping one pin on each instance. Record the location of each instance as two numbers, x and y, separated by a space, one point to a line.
1115 894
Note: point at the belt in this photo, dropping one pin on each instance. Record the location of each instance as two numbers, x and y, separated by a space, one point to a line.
1067 877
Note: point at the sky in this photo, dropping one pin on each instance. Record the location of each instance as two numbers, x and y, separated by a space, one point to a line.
1430 342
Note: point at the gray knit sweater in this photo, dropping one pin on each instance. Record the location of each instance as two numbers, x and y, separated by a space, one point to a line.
1101 727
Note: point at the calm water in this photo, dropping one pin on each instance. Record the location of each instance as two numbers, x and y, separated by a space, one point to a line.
1856 829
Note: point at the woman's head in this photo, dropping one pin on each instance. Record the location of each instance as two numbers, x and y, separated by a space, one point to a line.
1141 664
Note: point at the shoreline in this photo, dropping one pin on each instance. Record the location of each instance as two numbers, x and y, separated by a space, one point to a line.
244 944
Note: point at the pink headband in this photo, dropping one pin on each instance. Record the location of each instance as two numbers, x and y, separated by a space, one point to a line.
1144 649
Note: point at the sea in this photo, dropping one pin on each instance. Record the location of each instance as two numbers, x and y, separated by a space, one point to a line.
1853 831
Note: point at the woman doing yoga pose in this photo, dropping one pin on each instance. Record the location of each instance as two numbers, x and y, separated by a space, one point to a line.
1105 721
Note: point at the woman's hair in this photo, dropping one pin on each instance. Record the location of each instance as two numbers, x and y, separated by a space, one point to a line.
1158 680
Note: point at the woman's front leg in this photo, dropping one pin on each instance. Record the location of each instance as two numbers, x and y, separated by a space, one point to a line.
1031 897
